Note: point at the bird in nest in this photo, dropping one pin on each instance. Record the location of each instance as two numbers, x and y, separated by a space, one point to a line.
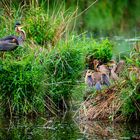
97 79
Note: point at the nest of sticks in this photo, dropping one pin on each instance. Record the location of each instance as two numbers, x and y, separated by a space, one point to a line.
103 106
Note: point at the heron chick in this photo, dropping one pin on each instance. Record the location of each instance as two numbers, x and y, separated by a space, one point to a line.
96 79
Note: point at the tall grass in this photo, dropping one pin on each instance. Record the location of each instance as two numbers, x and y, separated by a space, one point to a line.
43 25
28 74
64 67
22 90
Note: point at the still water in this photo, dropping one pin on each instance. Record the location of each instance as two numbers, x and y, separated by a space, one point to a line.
66 128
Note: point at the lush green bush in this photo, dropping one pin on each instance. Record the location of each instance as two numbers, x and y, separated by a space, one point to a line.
101 50
64 67
29 74
21 82
39 26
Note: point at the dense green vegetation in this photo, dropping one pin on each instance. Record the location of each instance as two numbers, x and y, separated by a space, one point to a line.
130 94
48 69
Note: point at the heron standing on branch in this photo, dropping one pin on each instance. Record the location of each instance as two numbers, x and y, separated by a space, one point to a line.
10 43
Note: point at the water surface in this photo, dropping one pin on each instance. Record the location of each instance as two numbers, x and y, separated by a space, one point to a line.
65 128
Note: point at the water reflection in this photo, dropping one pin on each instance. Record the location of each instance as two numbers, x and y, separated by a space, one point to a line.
65 128
102 130
39 129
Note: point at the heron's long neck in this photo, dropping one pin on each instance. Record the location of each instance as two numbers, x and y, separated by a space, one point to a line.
23 34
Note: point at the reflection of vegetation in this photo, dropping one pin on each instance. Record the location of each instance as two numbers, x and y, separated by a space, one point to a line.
23 129
106 130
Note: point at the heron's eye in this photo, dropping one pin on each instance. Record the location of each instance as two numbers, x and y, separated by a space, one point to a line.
13 40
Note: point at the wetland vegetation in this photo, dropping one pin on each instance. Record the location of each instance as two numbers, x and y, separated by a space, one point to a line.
44 77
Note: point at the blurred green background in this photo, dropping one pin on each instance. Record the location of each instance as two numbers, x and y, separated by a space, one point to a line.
104 18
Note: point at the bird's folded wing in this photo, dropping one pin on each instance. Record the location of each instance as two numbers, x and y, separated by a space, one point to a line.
4 46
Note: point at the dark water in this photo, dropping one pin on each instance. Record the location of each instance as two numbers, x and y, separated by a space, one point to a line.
65 128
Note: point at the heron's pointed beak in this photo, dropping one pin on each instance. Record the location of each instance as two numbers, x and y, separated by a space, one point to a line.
18 28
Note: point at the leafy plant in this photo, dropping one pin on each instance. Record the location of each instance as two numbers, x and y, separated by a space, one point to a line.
64 67
22 82
99 50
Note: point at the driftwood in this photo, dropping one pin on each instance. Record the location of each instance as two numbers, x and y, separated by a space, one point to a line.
103 106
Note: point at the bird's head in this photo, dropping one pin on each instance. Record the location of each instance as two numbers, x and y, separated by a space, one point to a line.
18 27
19 30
